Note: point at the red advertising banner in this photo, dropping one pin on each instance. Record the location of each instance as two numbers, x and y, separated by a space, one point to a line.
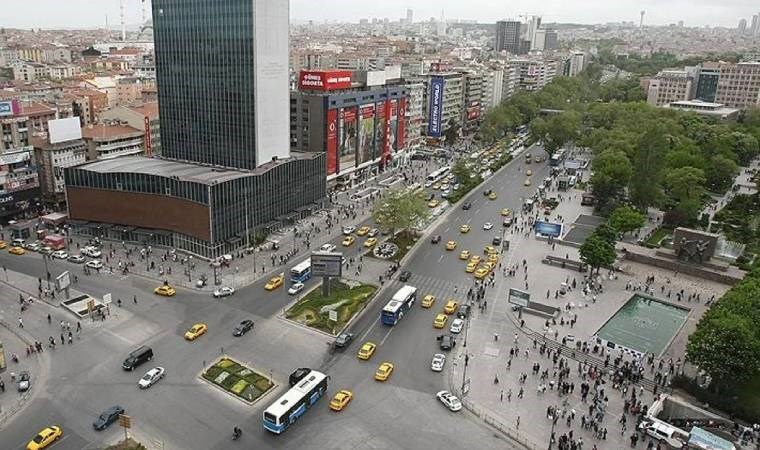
384 112
332 141
148 142
324 80
473 113
401 132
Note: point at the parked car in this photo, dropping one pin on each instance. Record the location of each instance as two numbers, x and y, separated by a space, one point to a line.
446 342
439 359
343 340
24 381
108 417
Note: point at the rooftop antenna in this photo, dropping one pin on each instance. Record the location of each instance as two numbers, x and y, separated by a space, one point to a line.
641 22
123 23
144 14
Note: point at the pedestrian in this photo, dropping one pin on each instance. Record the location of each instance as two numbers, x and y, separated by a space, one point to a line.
20 322
49 319
134 299
509 395
2 385
79 327
518 422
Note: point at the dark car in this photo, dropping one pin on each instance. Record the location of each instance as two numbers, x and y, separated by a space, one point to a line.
446 342
405 275
298 375
435 239
24 381
463 312
343 340
466 206
243 327
487 192
430 197
108 417
496 240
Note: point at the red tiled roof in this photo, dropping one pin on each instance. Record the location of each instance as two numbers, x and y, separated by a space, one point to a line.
107 131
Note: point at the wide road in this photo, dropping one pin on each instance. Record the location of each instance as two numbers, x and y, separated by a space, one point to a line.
184 413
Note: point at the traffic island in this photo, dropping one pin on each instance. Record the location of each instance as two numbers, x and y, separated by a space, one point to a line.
237 379
127 444
400 244
346 299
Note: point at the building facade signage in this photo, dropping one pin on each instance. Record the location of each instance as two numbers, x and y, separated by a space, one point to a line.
332 141
435 107
324 80
9 108
148 142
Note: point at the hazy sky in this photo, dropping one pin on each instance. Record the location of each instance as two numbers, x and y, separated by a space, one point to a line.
92 13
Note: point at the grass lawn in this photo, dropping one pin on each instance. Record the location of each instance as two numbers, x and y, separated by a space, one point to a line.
347 298
657 237
237 379
405 241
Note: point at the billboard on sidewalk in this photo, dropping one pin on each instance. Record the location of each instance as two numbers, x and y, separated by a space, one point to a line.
348 137
332 141
435 106
519 298
548 228
366 134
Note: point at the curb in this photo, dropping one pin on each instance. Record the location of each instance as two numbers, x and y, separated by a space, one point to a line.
42 299
19 405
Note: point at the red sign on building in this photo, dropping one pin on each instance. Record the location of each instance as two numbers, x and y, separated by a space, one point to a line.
324 80
332 141
401 132
148 142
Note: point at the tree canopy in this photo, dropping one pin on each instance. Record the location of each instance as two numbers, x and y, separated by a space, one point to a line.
400 210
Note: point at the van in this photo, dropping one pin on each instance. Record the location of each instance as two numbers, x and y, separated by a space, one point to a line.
571 182
658 431
137 357
18 242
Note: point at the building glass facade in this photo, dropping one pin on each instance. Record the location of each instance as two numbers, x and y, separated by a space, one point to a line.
205 73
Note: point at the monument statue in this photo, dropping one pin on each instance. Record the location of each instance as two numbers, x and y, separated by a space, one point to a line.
691 250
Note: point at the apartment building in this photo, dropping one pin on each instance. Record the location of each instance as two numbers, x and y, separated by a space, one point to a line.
112 140
669 86
738 84
140 116
444 102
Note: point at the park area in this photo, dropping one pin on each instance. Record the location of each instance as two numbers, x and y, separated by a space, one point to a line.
237 379
346 299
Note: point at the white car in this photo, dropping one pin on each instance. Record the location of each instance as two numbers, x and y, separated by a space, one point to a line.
428 184
151 377
373 232
76 259
295 288
487 226
439 359
348 229
92 252
327 248
449 400
94 264
225 291
60 254
456 326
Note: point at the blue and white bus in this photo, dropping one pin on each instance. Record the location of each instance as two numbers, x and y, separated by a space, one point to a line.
301 272
294 403
402 301
438 174
557 158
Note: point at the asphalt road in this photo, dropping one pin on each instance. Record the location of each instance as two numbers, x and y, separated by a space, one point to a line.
185 413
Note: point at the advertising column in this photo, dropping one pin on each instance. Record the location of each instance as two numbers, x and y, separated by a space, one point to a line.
332 141
348 138
366 134
435 107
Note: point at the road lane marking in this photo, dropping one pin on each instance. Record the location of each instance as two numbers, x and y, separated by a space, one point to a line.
440 258
386 336
374 322
447 230
476 212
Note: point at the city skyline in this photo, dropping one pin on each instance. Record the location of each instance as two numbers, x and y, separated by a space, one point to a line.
82 14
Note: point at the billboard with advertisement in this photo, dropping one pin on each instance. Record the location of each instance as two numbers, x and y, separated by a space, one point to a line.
64 130
348 137
324 80
435 106
148 141
6 109
401 129
548 228
366 134
382 132
332 141
393 125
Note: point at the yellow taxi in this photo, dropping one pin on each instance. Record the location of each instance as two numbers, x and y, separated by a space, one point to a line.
366 351
16 251
506 212
451 307
489 250
437 186
475 259
275 282
45 437
196 331
527 182
488 265
370 242
433 203
362 231
348 241
451 245
492 196
440 320
471 266
341 400
464 228
528 172
481 273
428 301
384 371
3 244
493 258
465 254
165 290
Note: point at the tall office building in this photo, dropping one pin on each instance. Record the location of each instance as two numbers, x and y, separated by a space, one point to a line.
409 16
755 25
222 72
507 36
226 173
533 24
742 28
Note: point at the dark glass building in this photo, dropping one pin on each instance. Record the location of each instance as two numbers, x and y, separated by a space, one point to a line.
226 172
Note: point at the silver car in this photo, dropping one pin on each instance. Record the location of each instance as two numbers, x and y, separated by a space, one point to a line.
439 359
456 326
151 377
224 292
449 400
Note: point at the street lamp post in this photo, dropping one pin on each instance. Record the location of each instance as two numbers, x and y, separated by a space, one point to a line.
47 272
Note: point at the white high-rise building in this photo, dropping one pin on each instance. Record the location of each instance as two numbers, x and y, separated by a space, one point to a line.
533 25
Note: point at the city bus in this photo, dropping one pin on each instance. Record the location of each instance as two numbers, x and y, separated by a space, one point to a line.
301 272
557 158
294 403
438 174
402 301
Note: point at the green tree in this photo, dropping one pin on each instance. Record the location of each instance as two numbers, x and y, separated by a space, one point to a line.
597 252
720 177
452 131
607 233
685 183
626 219
726 346
612 172
400 210
557 130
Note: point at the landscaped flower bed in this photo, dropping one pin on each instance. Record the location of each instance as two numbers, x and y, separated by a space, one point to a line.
237 379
